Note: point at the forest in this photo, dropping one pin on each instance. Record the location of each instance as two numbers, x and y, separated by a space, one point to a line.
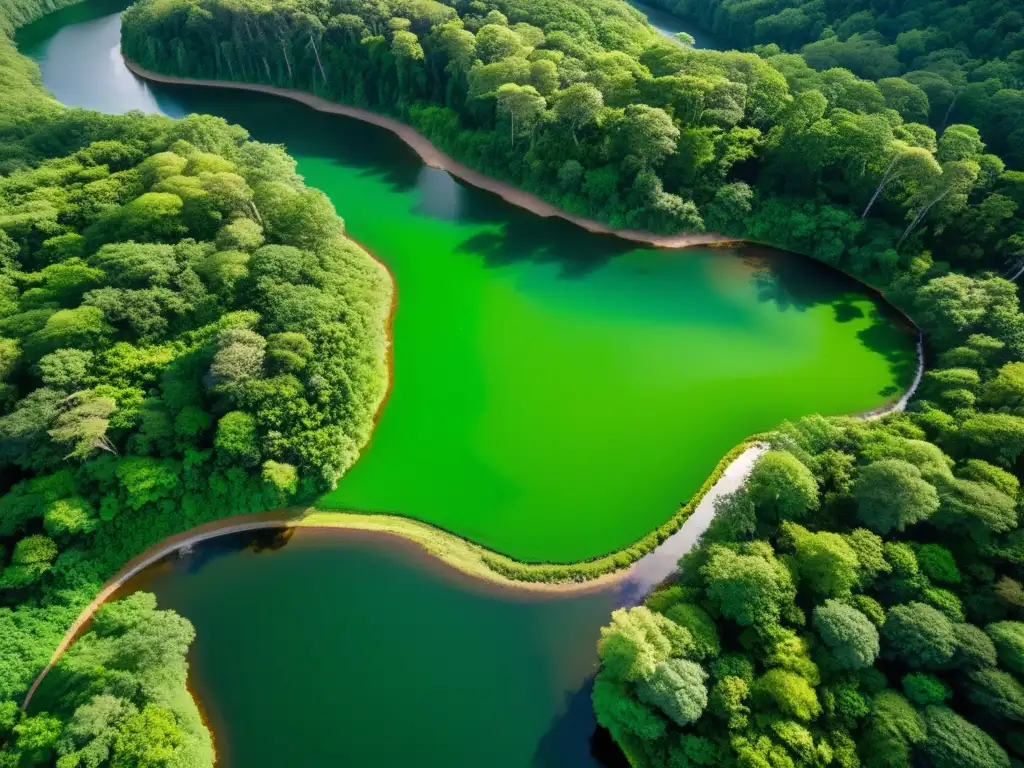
947 62
860 601
594 111
185 334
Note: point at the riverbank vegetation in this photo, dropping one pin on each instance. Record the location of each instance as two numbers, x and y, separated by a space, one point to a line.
860 600
942 62
597 113
185 334
118 697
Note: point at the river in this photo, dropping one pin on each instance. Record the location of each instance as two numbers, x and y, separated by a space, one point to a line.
556 395
670 25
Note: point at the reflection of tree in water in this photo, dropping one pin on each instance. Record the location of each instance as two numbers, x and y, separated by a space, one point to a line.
194 559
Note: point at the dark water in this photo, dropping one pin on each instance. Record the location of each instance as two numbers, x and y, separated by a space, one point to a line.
353 649
669 25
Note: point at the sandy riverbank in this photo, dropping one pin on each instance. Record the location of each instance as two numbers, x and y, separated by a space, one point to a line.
435 158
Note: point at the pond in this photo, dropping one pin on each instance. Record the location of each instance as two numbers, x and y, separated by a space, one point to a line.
342 648
556 393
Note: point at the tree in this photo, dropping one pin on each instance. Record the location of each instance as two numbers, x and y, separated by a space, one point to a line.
751 587
824 560
701 627
781 487
33 556
894 730
892 495
850 636
998 437
1006 388
648 133
521 103
84 424
1008 637
924 689
577 106
956 743
237 439
637 641
69 516
66 369
676 687
239 357
920 635
788 692
998 692
148 739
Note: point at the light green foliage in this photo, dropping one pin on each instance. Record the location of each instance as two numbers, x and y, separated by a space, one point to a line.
32 557
676 687
870 552
637 641
787 692
750 587
891 495
1008 637
825 562
781 485
283 477
920 635
701 628
983 472
849 634
69 516
728 702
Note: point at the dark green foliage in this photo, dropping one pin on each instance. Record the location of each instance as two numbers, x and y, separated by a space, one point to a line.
1008 637
954 742
839 646
924 689
598 114
920 635
848 633
134 254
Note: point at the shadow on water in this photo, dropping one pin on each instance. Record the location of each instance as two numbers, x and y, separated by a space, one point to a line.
797 283
515 235
562 744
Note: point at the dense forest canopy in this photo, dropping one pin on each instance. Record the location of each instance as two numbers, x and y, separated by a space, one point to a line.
945 62
593 110
185 334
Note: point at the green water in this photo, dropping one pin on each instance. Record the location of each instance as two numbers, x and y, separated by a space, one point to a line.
378 666
556 394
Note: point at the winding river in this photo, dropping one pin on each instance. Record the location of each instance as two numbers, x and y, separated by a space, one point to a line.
556 395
